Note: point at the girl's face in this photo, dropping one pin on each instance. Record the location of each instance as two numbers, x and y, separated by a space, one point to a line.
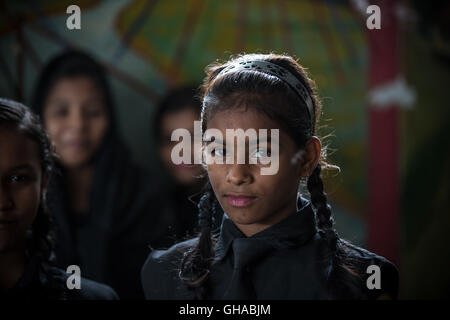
76 119
254 201
21 186
184 174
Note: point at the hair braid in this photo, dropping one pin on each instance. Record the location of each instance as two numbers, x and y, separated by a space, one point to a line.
344 280
42 228
319 199
196 263
42 237
325 221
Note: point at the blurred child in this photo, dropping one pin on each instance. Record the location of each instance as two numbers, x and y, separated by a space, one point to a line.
178 109
102 202
26 241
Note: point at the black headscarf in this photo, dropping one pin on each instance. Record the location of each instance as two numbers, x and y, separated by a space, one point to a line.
111 243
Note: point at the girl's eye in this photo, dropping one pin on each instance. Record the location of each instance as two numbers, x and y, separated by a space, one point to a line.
263 153
60 111
94 112
19 178
220 152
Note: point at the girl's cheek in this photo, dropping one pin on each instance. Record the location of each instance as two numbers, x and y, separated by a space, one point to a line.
28 200
97 129
216 176
210 171
55 130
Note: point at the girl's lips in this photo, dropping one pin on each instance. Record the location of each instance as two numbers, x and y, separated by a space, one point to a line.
76 144
183 166
240 201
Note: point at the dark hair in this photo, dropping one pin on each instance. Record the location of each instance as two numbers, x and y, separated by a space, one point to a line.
273 97
41 238
72 63
175 100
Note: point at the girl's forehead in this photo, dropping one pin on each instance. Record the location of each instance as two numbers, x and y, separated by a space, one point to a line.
244 117
247 119
17 147
76 87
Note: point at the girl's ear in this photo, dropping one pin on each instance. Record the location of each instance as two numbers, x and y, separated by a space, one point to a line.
311 156
297 160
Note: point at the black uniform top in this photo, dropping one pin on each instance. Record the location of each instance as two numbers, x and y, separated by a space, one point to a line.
44 282
109 243
284 261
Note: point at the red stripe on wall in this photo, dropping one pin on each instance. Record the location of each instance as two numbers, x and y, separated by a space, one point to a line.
383 149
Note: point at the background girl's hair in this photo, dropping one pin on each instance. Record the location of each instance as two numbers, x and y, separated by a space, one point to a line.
175 100
271 96
41 238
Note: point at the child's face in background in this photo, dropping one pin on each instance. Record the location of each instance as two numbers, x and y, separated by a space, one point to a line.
76 119
184 174
254 201
20 186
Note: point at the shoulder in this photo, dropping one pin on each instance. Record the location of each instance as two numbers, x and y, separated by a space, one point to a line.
89 290
159 273
158 259
379 275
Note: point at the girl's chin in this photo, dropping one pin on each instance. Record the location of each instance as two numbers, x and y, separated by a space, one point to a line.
74 161
6 243
240 217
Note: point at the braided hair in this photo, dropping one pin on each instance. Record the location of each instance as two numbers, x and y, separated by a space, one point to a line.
196 262
40 238
273 97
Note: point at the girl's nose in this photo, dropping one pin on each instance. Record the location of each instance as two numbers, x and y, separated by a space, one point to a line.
6 202
77 120
239 174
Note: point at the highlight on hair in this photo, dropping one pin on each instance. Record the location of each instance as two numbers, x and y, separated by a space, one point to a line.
40 238
273 97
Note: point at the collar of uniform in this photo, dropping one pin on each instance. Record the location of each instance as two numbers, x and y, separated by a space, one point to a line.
293 231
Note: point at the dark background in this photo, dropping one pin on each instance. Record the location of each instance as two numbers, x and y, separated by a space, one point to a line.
147 47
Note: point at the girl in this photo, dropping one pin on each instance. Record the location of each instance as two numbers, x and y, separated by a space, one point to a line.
26 241
103 204
273 244
179 108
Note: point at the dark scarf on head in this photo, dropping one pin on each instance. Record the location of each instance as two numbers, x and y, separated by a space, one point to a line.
121 195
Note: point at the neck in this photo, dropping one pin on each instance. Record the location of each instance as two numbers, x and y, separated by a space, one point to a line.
12 265
78 186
